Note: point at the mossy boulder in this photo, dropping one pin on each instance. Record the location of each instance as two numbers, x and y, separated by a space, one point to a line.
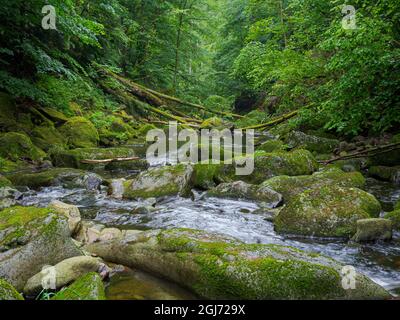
289 187
127 166
329 211
206 176
73 158
4 182
46 137
394 216
142 131
80 133
8 166
54 115
391 174
373 229
8 292
8 197
159 182
68 178
272 146
87 287
66 272
220 267
243 190
298 139
268 165
16 146
31 238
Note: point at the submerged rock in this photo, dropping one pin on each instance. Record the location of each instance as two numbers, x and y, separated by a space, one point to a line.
220 267
391 174
79 133
87 287
8 292
289 187
159 182
298 139
243 190
31 238
373 229
329 211
16 146
65 272
69 178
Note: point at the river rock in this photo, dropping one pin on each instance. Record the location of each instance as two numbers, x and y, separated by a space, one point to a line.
68 178
373 229
8 197
70 211
73 158
87 287
116 188
133 165
329 211
8 292
65 272
15 146
159 182
391 174
289 187
89 232
298 139
79 133
206 176
220 267
268 165
31 238
243 190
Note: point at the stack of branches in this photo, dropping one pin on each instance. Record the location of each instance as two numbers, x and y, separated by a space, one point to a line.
160 104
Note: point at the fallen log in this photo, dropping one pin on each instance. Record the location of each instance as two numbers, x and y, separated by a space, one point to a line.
92 161
365 153
274 122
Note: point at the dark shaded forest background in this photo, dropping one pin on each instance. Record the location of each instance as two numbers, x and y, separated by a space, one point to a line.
262 57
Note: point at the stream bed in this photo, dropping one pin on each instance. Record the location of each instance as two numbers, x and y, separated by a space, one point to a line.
379 261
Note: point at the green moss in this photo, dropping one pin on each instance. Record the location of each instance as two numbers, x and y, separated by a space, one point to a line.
43 179
8 292
144 129
272 146
87 287
394 216
384 173
4 182
298 139
212 123
54 115
46 137
289 187
17 146
80 133
328 211
206 176
397 205
7 165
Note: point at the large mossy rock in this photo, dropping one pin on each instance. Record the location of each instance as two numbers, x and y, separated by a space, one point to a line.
394 216
31 238
373 230
16 146
268 165
8 292
68 178
87 287
298 139
243 190
159 182
4 182
47 137
72 158
206 176
329 211
220 267
391 174
289 187
65 272
272 146
80 133
8 197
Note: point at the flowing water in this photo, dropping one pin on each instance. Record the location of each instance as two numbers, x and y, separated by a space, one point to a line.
379 261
